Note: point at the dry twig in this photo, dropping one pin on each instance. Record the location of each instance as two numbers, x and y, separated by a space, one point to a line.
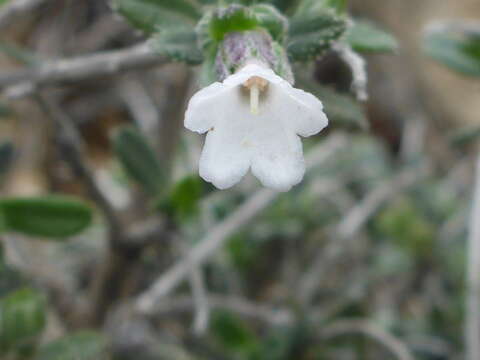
17 8
270 315
66 71
472 319
346 327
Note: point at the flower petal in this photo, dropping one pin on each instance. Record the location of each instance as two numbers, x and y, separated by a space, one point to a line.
267 141
226 156
203 108
278 158
309 118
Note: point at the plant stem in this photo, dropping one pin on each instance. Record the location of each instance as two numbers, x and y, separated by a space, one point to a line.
472 314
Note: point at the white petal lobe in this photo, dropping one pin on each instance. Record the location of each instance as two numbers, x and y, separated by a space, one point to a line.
226 156
306 109
201 112
278 158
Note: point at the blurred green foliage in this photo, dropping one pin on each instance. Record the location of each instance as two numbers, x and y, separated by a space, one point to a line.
465 135
233 333
456 47
83 345
408 228
185 196
179 44
23 317
342 109
365 36
312 34
22 321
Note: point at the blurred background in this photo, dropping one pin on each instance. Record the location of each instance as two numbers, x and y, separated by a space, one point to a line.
365 259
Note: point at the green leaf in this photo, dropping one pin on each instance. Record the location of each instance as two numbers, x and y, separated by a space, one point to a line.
272 20
215 24
233 18
285 6
178 44
312 35
83 345
208 75
152 15
455 48
47 216
6 156
138 159
365 36
22 319
339 5
308 7
342 110
185 196
233 333
3 223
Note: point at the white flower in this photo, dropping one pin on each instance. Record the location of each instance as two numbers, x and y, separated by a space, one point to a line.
253 121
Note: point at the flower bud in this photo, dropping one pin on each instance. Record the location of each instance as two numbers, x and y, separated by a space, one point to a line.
242 48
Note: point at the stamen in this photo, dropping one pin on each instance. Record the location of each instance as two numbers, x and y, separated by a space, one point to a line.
254 99
255 85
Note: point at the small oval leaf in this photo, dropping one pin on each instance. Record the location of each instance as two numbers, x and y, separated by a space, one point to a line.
178 44
365 36
151 15
138 159
48 216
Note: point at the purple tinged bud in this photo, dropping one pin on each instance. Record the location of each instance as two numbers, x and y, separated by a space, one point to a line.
240 48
